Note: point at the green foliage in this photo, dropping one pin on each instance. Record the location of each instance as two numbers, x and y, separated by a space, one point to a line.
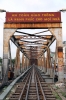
63 94
57 96
57 87
0 60
13 60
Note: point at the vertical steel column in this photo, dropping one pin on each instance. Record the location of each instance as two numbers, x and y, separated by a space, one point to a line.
6 37
49 61
57 32
10 63
51 70
22 62
56 56
40 62
5 60
17 63
48 65
44 64
15 67
25 62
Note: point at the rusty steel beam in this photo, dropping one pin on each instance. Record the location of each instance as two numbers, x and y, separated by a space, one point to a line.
23 44
33 37
32 26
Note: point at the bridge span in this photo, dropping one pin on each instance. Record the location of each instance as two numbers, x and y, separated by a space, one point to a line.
36 53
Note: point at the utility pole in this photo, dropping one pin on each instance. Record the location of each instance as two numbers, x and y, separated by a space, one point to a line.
2 10
62 10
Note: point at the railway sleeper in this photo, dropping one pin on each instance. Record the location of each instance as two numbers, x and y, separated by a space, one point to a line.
50 98
13 99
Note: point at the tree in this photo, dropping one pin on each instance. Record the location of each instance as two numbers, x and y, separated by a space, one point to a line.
0 60
13 61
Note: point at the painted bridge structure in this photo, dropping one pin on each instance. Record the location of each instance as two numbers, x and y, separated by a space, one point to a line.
33 52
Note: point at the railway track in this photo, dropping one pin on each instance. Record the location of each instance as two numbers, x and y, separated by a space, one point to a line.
32 87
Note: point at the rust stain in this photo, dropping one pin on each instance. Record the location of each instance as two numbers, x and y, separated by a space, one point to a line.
60 54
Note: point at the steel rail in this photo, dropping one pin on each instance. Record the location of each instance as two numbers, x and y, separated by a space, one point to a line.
37 88
28 88
26 75
20 97
22 88
32 87
8 89
39 74
41 88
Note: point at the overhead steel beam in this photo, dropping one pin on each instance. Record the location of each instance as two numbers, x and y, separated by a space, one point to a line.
17 44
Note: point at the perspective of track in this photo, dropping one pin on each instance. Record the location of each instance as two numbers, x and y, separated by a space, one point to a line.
32 87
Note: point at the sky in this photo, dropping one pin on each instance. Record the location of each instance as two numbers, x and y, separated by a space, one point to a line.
31 6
